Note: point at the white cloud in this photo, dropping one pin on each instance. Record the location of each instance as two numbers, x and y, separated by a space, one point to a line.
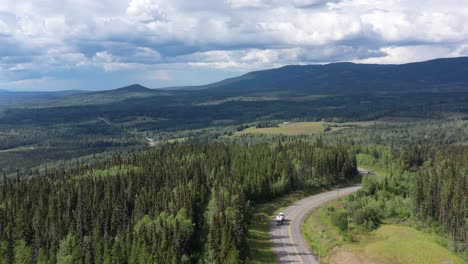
103 56
247 3
126 35
147 10
4 29
461 50
396 55
157 75
147 54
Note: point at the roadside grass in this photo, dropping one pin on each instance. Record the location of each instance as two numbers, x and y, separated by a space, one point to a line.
388 244
402 244
259 243
319 232
293 129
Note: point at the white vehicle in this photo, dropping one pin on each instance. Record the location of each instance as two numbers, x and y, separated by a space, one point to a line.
279 219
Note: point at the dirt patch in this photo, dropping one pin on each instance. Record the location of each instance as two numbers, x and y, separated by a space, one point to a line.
340 255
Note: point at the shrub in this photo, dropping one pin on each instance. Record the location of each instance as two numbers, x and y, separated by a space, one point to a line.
340 220
369 185
358 217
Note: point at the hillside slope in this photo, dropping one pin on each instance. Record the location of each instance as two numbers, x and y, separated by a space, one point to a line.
340 91
435 75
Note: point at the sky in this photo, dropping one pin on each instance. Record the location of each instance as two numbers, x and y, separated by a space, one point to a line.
106 44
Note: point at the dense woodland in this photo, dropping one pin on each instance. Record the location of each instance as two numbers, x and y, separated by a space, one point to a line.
79 186
424 184
178 203
441 191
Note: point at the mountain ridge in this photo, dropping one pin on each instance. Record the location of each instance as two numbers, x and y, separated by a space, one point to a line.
337 74
421 68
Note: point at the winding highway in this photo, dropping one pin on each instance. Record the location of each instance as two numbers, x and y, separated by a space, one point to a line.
289 244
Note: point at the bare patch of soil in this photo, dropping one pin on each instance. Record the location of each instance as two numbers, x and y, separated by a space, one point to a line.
339 255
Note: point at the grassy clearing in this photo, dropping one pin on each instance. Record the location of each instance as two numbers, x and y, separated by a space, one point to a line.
321 235
347 125
262 98
18 149
401 244
178 140
140 120
388 244
292 129
239 99
304 128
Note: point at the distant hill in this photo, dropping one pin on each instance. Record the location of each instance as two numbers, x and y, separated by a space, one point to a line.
440 74
133 88
338 91
72 97
12 98
109 96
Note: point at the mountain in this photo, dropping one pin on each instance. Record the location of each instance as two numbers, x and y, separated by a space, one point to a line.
439 74
134 88
72 97
339 91
106 97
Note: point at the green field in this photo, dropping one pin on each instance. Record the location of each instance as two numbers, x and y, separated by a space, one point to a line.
387 244
320 233
239 99
305 128
396 244
292 129
18 149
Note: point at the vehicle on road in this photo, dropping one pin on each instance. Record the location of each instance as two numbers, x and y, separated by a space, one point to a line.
280 219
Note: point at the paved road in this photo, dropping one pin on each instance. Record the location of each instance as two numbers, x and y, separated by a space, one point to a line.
288 243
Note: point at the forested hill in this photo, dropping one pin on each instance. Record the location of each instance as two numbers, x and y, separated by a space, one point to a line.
343 91
435 75
9 98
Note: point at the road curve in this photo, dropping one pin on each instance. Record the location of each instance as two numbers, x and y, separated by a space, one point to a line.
289 244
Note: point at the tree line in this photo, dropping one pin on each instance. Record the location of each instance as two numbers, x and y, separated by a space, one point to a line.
177 203
423 182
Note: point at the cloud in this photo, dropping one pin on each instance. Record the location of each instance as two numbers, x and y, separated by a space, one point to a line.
396 55
147 10
4 29
56 39
248 3
157 75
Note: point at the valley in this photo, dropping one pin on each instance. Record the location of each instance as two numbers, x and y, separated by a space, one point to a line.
195 174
